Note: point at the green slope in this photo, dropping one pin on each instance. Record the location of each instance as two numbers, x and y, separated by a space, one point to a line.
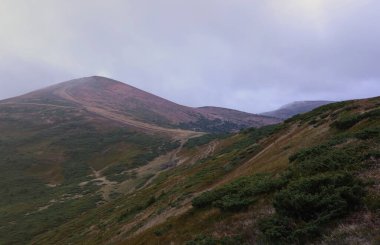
306 180
313 178
45 155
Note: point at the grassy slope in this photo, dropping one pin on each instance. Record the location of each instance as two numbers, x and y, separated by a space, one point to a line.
59 146
162 212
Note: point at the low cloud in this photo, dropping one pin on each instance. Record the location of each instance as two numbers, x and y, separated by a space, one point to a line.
242 54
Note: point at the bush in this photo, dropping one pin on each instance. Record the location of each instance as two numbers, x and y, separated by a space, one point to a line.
239 194
204 139
309 203
209 240
346 122
276 228
321 197
368 133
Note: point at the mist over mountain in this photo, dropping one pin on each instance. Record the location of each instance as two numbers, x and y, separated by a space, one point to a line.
294 108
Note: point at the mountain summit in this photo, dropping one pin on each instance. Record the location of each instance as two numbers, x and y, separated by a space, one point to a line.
124 103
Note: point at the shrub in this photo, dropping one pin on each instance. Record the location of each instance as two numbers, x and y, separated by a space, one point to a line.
368 133
308 203
238 194
209 240
321 197
346 122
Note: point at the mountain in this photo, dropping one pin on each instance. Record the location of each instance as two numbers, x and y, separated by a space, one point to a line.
125 104
92 161
312 180
71 147
297 107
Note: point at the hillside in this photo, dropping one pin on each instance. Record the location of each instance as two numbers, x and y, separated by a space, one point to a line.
72 147
297 107
313 178
126 104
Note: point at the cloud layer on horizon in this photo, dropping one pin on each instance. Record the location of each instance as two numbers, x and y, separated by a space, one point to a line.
243 54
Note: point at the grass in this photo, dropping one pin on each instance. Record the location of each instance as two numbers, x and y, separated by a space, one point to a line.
34 152
321 186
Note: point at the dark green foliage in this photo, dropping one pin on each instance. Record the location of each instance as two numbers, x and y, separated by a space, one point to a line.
347 121
238 194
322 186
209 240
256 134
372 201
319 198
309 203
204 139
162 230
324 158
368 133
211 126
276 229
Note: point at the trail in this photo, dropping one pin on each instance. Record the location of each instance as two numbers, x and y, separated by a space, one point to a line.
106 185
172 161
210 149
37 104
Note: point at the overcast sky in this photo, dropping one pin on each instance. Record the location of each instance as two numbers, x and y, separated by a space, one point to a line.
252 55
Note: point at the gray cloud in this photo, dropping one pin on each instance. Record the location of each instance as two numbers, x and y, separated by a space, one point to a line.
244 54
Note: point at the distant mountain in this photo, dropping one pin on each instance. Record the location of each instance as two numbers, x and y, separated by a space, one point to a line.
126 104
297 107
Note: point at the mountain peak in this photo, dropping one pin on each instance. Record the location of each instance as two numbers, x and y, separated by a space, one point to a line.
124 103
94 81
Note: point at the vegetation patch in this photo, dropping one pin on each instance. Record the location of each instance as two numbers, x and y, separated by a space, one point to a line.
204 139
239 194
210 240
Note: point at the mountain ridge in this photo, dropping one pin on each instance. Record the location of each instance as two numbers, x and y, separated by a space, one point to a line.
98 93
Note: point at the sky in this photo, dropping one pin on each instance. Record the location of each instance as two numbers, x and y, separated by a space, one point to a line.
250 55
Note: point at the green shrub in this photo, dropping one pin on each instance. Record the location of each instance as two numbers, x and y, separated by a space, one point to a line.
308 203
202 240
238 194
346 122
209 240
372 201
368 133
276 228
204 139
321 197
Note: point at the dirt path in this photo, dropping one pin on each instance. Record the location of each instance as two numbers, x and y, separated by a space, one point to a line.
210 149
37 104
169 160
107 186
